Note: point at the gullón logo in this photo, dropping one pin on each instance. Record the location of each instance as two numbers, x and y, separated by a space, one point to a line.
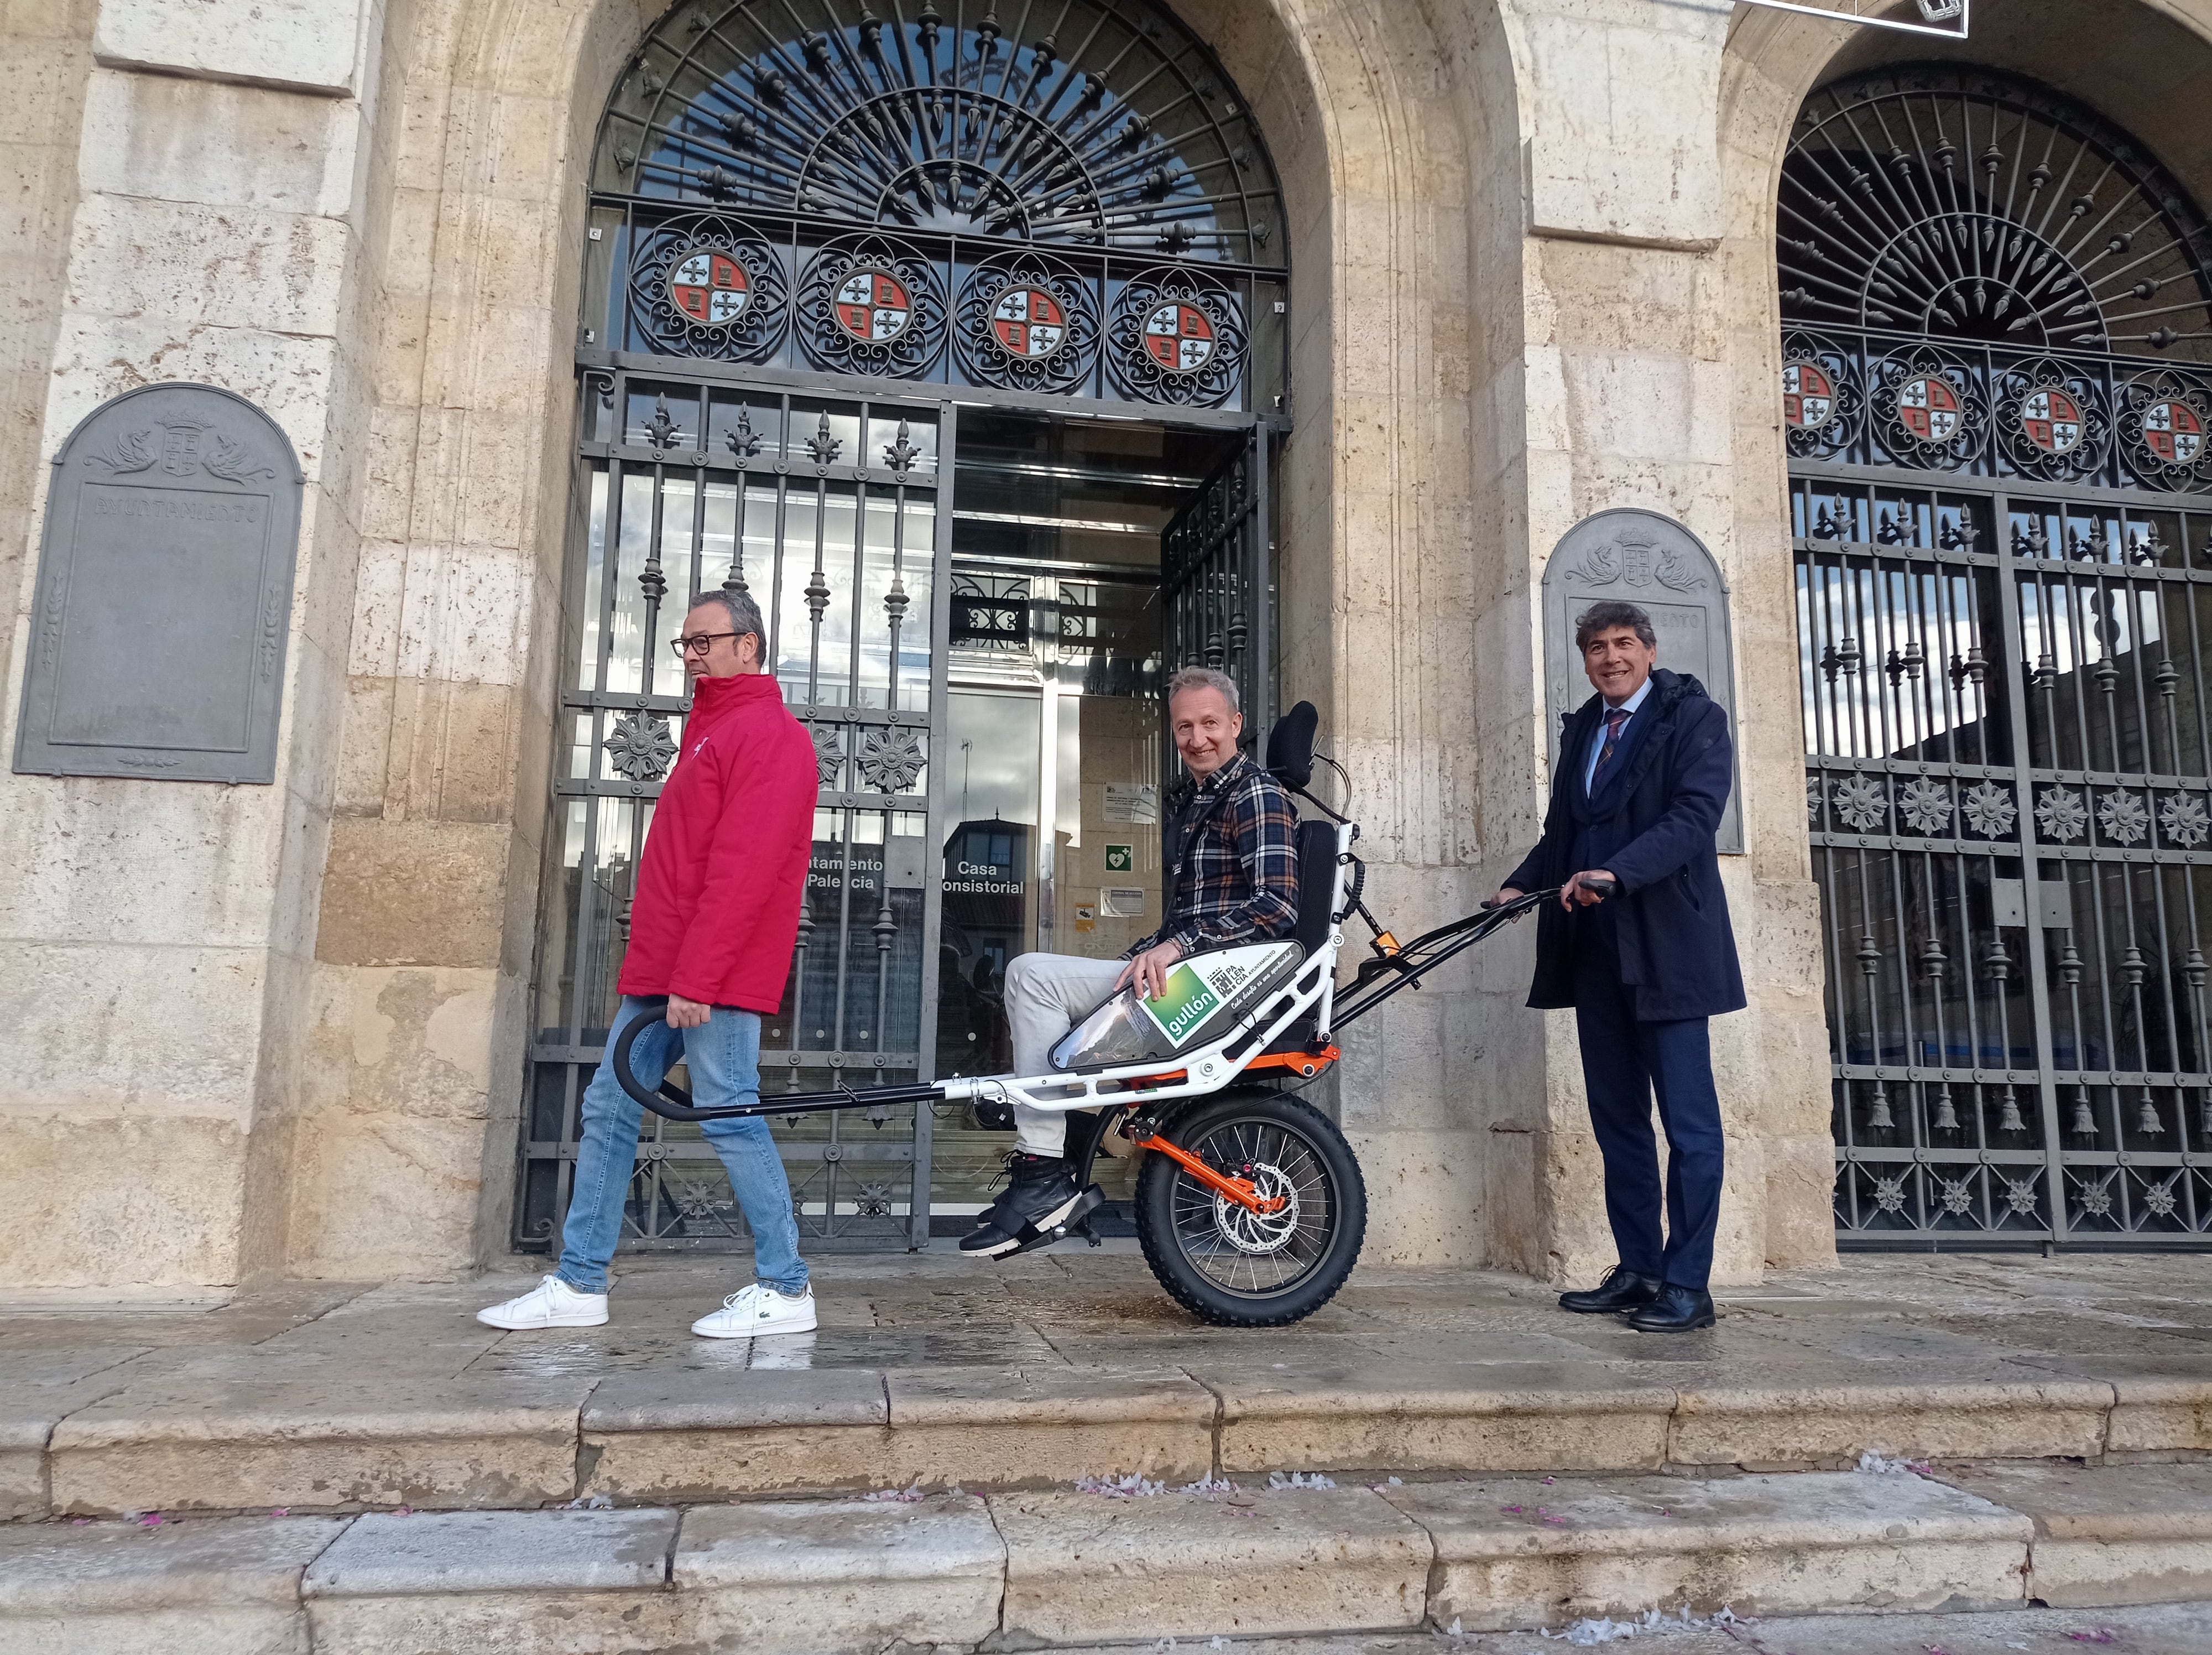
1195 990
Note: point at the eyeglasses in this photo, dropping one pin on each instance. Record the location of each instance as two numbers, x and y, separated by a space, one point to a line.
700 642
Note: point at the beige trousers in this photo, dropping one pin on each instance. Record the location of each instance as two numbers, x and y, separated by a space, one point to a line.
1046 994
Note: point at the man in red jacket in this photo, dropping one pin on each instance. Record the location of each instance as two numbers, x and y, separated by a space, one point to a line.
716 913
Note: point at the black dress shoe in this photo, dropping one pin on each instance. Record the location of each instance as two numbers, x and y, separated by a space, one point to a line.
1676 1310
1621 1290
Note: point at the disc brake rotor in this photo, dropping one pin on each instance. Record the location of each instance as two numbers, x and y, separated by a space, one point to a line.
1259 1232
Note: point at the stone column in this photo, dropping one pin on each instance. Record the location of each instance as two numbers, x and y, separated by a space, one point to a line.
1623 394
155 936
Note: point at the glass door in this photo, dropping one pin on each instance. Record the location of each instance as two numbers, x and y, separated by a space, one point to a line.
1054 737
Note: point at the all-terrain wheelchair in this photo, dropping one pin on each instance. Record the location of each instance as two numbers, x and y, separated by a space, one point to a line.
1250 1205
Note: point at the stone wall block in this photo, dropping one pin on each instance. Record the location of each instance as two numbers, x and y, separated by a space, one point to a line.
233 267
315 46
176 139
202 857
101 1201
414 893
290 375
1622 115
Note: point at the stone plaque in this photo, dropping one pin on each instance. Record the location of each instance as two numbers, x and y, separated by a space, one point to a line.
1656 563
164 593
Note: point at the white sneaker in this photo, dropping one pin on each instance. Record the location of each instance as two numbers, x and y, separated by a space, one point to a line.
758 1309
551 1304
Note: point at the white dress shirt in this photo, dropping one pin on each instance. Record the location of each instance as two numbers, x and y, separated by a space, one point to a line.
1597 742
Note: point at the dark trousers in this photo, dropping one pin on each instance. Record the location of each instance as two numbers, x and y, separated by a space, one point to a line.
1624 1064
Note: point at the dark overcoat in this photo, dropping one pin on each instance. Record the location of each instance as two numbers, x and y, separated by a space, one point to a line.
1651 824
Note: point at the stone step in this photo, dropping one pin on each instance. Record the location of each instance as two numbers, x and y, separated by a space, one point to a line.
1022 1570
341 1435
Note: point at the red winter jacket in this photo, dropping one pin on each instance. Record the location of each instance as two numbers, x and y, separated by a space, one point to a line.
725 864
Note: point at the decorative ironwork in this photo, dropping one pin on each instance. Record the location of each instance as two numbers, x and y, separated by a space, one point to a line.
1959 206
871 305
640 748
704 285
1177 336
990 611
1028 322
891 758
1086 126
2000 544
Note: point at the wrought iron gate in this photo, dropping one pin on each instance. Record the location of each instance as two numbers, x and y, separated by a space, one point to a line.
1217 571
807 223
826 511
2004 600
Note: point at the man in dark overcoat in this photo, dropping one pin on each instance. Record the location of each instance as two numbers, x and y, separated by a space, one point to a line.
1643 773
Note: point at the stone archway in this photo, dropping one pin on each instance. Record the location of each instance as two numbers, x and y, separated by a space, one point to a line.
432 875
2115 56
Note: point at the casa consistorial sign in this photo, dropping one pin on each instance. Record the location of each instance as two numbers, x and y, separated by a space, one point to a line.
164 592
1654 562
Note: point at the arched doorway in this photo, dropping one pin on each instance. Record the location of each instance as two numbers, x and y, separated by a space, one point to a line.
958 338
1997 405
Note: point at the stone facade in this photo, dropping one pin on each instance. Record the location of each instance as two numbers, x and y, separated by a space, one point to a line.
269 1031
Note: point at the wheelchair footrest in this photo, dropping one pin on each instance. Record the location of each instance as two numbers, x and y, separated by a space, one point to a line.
1077 1222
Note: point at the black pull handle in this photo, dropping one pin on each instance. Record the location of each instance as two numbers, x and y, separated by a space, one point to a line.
671 1101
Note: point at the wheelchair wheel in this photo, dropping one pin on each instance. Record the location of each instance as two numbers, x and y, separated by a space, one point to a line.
1231 1266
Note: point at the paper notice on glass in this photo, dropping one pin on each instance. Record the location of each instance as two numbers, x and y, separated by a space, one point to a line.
1133 801
1121 902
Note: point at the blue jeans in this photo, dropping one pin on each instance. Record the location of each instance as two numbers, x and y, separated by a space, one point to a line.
723 1058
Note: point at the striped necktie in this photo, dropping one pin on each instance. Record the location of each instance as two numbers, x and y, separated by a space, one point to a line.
1615 717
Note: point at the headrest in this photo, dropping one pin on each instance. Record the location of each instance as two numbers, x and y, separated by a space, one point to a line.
1290 745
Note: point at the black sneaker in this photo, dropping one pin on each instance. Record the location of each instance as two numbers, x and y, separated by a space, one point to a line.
1042 1192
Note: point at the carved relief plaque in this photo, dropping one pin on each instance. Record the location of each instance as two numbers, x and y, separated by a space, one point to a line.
164 592
1656 563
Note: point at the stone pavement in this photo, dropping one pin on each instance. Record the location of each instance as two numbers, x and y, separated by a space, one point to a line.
1437 1449
941 1371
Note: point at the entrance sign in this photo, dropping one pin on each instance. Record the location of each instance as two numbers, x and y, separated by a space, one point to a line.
1650 561
164 592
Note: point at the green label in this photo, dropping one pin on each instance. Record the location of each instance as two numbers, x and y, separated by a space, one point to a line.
1188 1001
1120 859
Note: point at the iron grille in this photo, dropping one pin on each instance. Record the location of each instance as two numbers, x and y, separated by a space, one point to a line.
1074 204
827 512
1219 569
2003 550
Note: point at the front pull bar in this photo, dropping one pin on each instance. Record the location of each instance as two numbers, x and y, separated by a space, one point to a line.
671 1102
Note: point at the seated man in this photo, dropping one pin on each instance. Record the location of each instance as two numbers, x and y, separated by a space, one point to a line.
1232 876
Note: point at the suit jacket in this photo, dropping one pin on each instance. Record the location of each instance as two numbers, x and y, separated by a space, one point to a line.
1651 824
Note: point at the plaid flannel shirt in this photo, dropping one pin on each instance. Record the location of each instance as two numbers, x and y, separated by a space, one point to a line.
1242 882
